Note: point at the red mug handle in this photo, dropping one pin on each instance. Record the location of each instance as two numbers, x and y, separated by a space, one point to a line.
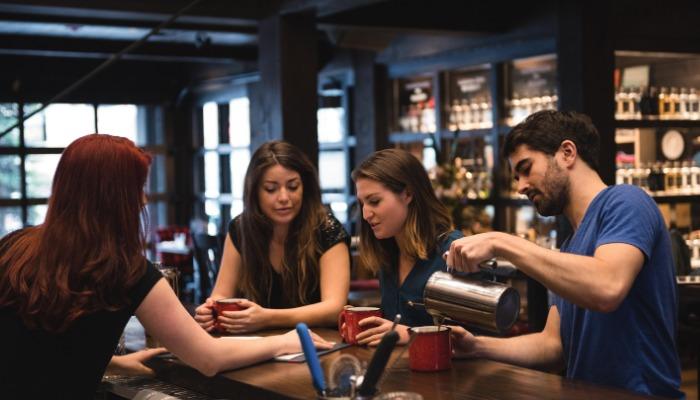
341 321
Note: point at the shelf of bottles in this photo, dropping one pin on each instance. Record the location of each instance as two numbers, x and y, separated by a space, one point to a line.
661 179
652 103
469 105
532 87
415 108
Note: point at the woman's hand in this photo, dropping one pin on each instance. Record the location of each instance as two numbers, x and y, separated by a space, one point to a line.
132 364
463 342
205 316
292 344
252 318
373 335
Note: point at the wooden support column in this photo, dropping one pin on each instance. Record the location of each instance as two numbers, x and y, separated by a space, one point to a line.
284 103
369 105
586 59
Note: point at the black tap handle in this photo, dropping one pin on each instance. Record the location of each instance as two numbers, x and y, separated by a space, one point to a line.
378 363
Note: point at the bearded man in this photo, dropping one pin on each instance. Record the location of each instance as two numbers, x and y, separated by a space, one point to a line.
612 317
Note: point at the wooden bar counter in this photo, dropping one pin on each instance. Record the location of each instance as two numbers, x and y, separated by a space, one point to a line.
468 379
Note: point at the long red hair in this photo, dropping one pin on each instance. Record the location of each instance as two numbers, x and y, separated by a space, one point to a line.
90 249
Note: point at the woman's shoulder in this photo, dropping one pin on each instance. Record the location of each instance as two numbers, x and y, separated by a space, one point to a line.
332 232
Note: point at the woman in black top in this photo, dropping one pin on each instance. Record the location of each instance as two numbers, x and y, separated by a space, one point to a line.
284 254
69 285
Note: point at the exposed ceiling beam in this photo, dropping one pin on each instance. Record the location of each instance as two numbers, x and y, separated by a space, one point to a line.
325 8
91 48
216 12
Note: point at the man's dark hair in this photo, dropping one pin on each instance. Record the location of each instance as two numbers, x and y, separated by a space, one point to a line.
545 130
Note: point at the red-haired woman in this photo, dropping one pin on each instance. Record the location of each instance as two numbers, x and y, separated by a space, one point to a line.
69 285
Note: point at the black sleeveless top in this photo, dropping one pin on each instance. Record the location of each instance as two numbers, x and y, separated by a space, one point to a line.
330 233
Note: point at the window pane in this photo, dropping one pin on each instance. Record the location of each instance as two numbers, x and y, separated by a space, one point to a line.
10 177
156 178
429 160
338 205
239 164
236 208
157 215
213 211
8 117
40 170
211 174
10 219
63 124
239 122
210 122
330 124
332 171
118 120
36 214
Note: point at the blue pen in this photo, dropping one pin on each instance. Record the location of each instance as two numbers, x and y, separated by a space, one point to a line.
311 358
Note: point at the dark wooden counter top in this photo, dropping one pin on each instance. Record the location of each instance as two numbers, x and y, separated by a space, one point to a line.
468 379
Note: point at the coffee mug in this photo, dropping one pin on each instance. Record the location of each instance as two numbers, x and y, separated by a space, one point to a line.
352 316
430 349
230 304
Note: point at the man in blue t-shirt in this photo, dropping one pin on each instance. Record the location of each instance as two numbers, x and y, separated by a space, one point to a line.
613 317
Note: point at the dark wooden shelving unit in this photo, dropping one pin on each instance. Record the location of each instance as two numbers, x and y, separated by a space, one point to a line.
672 199
656 123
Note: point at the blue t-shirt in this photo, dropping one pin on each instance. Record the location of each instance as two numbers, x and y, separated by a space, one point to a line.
634 346
395 299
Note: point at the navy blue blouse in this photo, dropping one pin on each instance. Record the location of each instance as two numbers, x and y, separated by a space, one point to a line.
395 299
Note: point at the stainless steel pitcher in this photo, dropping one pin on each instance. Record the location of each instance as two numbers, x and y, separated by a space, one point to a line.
490 306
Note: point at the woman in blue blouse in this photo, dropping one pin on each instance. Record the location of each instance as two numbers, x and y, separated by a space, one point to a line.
404 231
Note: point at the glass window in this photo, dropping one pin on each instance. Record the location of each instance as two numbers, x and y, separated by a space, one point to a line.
40 169
36 214
156 179
211 174
332 169
59 125
9 117
10 219
429 159
239 122
118 120
236 207
338 205
10 181
210 122
239 164
330 125
213 210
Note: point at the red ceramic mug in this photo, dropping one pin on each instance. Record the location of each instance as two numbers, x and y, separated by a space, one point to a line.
431 349
352 316
230 304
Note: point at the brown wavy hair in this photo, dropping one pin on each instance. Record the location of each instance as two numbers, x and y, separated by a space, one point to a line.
90 249
428 221
301 248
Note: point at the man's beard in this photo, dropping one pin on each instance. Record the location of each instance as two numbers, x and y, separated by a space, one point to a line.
556 192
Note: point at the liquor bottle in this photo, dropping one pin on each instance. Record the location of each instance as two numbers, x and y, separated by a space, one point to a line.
686 184
693 104
646 108
684 105
654 96
633 98
664 104
466 116
674 104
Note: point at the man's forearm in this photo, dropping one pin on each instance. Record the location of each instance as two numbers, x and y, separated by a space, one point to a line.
585 281
532 351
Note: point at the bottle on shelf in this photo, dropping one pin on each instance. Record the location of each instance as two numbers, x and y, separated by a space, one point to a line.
674 104
664 104
693 104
